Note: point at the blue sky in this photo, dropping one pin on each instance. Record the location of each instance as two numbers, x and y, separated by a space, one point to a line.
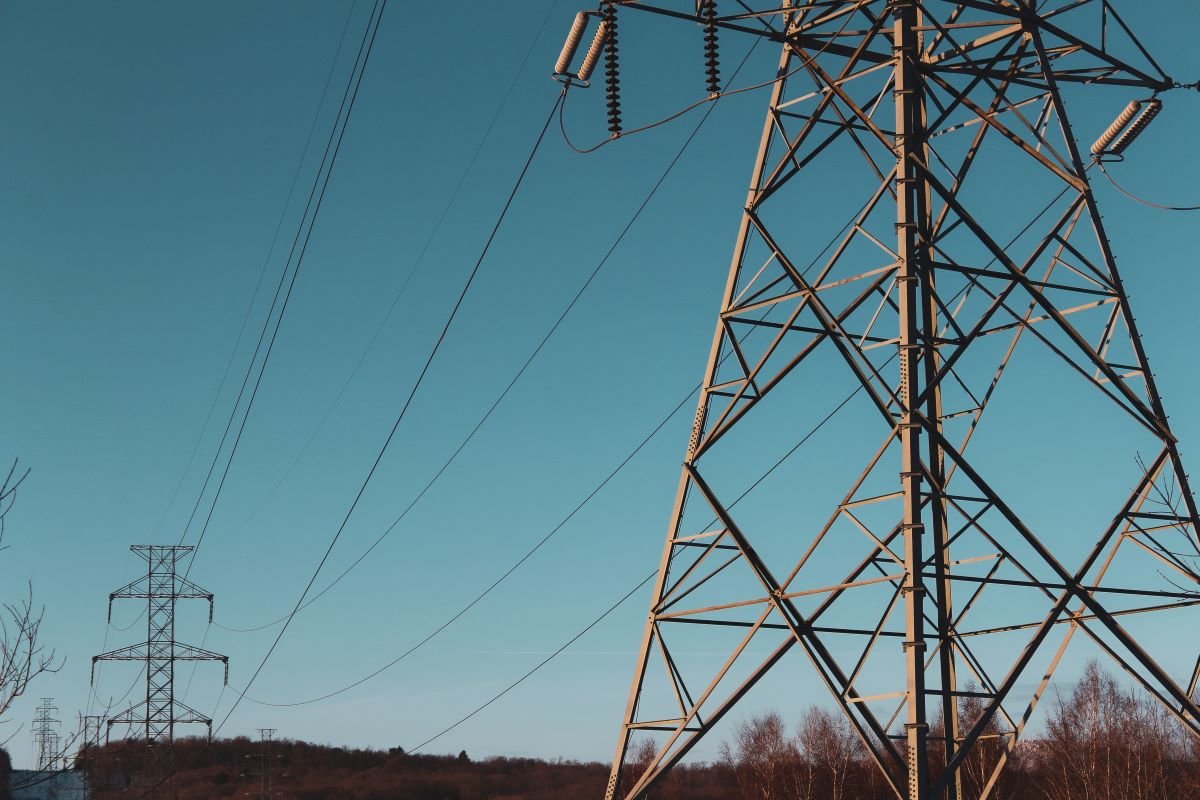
148 152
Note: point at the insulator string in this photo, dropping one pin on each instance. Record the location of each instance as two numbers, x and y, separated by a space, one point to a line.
712 59
612 75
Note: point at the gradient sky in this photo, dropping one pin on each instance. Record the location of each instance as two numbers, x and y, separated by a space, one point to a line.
148 150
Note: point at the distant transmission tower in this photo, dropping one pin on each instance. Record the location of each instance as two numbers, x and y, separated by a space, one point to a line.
921 230
160 712
89 729
266 762
45 735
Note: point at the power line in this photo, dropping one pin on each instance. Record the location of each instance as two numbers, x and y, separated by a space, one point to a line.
403 285
528 554
302 239
408 401
541 664
387 316
1137 199
588 498
519 373
803 440
258 285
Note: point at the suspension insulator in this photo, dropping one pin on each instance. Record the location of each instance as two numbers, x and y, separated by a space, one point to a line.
712 60
612 76
1136 127
571 44
593 54
1118 124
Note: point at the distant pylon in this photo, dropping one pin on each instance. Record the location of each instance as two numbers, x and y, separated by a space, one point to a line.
45 735
160 712
89 730
266 739
89 735
86 757
893 574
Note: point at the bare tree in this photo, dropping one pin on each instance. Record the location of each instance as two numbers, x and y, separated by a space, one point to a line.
1177 544
22 655
1108 743
987 753
8 494
761 757
827 742
637 761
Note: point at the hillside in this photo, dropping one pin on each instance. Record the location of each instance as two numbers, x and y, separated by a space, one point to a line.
229 768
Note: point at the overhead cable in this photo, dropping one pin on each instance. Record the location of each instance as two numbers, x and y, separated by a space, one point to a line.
300 243
520 371
1137 199
642 583
254 295
420 259
408 401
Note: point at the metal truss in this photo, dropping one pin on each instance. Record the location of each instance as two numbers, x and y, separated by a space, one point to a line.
160 712
45 735
931 577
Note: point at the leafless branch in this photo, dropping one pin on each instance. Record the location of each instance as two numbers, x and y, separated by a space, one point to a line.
22 655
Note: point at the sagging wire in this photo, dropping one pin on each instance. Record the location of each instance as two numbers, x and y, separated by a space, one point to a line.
396 297
1141 200
407 403
1111 145
275 238
579 507
779 462
516 377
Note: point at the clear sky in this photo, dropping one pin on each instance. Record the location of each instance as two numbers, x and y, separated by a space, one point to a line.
147 151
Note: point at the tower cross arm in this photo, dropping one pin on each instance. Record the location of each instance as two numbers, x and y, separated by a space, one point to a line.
187 652
134 652
1084 59
185 714
185 589
1078 58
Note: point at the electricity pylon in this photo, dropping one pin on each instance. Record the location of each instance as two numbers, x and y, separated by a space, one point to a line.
910 579
89 748
266 762
160 712
89 730
45 735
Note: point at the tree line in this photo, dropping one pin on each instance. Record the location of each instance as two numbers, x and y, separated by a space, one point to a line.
1100 741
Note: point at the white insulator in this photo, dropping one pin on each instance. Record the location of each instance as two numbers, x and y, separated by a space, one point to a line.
1118 124
1136 127
593 53
571 44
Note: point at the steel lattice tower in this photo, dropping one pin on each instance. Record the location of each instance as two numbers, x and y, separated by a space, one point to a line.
920 577
266 762
89 747
89 729
160 712
45 735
